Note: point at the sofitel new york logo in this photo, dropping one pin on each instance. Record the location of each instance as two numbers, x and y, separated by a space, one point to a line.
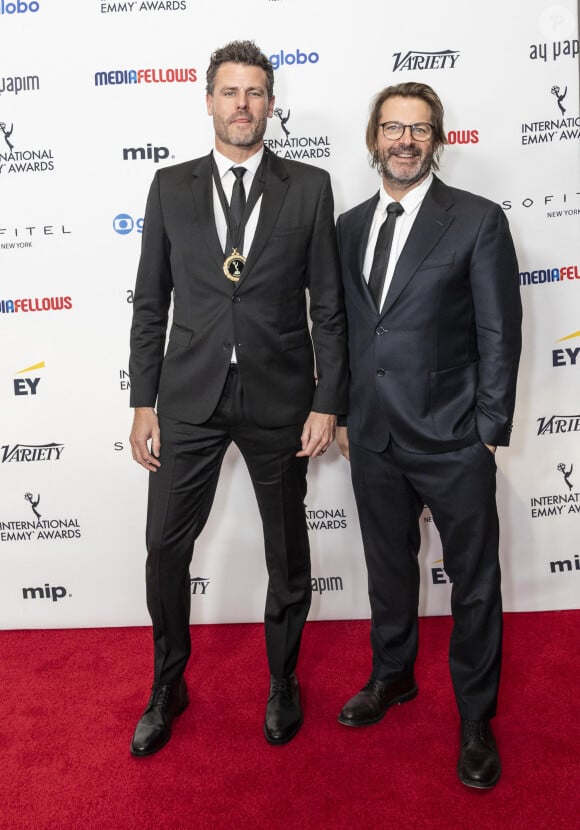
293 146
40 527
557 504
562 128
14 160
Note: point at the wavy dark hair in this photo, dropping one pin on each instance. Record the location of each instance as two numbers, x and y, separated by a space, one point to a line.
409 89
239 51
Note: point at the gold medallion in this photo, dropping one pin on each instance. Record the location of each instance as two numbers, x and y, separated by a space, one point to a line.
234 265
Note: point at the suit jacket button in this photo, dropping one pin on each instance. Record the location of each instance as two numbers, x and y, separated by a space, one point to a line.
226 347
380 373
236 299
380 330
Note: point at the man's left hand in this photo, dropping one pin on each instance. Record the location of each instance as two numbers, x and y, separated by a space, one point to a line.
317 435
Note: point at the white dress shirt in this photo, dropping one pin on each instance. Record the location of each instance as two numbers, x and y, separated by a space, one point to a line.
411 203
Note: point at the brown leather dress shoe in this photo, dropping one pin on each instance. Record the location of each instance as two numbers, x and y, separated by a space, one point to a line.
154 729
479 765
373 700
283 713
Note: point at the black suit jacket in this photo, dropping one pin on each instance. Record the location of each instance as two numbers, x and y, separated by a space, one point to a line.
264 315
437 367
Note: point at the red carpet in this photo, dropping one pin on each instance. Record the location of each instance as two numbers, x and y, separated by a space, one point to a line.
71 699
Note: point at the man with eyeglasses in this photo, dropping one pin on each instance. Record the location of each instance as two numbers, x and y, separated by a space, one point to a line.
434 317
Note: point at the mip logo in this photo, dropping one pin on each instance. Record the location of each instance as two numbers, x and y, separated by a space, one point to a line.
123 224
149 153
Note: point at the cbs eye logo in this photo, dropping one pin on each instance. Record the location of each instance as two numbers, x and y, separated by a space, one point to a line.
123 224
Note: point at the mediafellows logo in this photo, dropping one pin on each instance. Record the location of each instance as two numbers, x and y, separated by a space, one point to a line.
143 6
463 137
550 275
15 159
33 304
417 61
296 146
115 77
15 84
295 57
567 355
561 127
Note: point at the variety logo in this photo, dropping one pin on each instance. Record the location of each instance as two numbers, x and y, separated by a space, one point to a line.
27 386
148 153
144 6
463 137
297 146
296 57
115 77
198 586
417 61
560 566
47 592
23 237
123 224
29 304
19 7
563 128
559 49
558 424
25 453
557 504
566 356
321 584
14 160
15 84
549 276
39 528
326 519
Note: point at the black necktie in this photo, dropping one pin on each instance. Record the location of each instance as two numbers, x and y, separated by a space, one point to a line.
382 251
237 202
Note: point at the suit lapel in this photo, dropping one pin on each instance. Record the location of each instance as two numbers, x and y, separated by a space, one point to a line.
359 229
431 223
202 191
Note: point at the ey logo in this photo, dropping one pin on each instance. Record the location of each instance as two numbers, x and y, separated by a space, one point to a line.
438 575
27 386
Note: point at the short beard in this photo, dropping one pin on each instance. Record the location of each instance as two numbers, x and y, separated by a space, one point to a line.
404 181
257 134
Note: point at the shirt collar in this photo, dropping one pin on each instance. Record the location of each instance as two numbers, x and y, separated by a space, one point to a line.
224 164
411 200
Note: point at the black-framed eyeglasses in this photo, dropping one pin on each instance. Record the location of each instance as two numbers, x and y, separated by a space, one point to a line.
393 130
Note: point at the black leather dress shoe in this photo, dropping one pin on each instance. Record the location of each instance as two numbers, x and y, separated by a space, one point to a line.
283 713
373 700
154 729
479 765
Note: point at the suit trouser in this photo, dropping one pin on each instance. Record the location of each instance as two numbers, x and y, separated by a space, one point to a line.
391 489
181 494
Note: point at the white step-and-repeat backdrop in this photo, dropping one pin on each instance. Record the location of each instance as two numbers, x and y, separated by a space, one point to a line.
94 97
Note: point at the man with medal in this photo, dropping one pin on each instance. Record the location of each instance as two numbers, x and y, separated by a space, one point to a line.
240 240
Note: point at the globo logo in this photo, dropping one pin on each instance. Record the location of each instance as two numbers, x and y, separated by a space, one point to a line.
290 58
20 7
